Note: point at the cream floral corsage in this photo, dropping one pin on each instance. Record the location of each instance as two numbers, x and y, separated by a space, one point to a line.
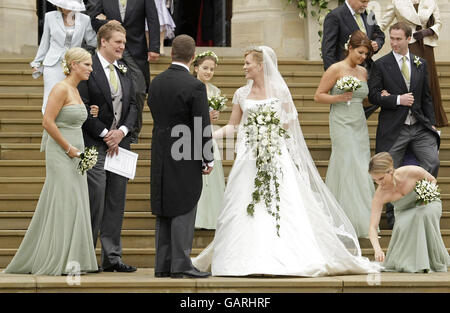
417 61
123 68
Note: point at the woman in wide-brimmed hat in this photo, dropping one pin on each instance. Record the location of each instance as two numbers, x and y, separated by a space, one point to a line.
63 29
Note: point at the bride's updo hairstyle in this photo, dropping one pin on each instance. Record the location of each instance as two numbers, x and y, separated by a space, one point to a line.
381 163
74 55
256 54
359 39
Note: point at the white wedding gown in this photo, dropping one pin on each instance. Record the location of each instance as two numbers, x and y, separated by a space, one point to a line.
308 244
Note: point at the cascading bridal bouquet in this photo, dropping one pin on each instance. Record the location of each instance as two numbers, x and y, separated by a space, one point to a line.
88 159
348 84
263 132
218 103
426 191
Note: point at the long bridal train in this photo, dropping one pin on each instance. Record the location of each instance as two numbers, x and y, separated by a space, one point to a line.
315 236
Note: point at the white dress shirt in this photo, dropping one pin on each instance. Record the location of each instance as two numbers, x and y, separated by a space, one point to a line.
105 66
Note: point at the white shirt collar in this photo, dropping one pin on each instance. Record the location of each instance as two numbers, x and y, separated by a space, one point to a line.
104 62
350 8
181 64
399 57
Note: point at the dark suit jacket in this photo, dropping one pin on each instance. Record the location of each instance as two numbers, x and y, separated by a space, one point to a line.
96 91
176 98
339 24
386 75
134 23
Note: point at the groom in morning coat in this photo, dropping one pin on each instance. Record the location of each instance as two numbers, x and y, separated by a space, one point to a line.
181 152
111 89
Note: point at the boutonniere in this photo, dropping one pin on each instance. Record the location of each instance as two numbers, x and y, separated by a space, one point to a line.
123 68
417 61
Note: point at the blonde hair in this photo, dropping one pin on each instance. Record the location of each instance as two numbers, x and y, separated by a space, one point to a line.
76 55
256 54
381 163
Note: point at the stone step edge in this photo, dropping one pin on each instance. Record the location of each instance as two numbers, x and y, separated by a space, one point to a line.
152 251
201 232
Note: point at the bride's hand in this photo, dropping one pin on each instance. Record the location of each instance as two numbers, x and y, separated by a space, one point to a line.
94 110
347 96
379 255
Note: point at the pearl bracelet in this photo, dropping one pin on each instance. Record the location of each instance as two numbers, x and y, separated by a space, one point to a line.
68 150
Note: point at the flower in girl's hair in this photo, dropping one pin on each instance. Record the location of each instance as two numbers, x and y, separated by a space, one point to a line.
66 70
347 43
207 53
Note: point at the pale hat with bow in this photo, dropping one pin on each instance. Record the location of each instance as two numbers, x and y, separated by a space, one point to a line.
73 5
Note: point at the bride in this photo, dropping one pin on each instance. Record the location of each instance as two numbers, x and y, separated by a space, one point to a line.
277 217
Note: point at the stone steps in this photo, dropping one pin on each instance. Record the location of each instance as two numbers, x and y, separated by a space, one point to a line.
36 168
140 239
26 202
35 125
227 88
319 151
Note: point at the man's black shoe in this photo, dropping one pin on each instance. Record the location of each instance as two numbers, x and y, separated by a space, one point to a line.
192 273
162 274
120 267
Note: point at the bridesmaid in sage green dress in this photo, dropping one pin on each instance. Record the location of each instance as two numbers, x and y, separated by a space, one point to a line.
213 184
347 176
416 243
59 238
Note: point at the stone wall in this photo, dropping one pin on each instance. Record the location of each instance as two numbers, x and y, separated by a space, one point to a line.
18 27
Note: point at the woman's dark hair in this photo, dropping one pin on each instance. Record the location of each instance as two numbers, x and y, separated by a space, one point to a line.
359 39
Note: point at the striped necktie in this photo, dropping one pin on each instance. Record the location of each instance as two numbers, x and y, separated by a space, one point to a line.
112 77
405 69
123 2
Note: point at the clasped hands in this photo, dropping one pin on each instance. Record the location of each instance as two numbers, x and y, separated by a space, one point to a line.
112 138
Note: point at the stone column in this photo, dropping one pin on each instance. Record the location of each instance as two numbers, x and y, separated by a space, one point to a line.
274 23
18 26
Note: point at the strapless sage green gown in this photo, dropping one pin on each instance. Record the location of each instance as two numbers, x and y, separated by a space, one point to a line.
347 175
416 244
59 238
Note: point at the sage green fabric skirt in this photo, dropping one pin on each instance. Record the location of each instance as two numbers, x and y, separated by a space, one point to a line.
416 244
59 238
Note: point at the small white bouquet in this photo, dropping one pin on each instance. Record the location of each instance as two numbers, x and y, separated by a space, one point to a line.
218 103
348 84
88 159
426 191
